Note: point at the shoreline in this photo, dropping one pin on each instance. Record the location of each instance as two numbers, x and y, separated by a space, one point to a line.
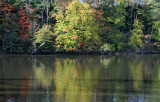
89 53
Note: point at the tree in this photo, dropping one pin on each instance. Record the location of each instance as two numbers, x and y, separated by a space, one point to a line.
78 28
137 33
155 14
6 20
116 40
44 34
114 27
24 22
29 23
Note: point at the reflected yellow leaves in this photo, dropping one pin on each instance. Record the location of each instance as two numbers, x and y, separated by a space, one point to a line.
82 79
155 87
74 82
42 77
136 73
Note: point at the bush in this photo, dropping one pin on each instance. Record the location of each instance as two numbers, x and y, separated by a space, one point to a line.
105 48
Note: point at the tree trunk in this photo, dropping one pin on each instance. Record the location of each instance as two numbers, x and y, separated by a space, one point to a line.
36 49
4 35
131 18
42 15
150 35
47 13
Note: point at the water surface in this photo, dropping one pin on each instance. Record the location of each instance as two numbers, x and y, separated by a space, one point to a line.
75 78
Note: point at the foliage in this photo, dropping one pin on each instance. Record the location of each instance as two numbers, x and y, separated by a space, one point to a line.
44 34
105 48
137 33
9 28
5 14
116 40
156 33
27 21
48 48
115 15
77 29
155 14
25 24
155 11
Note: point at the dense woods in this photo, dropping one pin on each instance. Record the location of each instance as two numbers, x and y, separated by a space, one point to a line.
49 26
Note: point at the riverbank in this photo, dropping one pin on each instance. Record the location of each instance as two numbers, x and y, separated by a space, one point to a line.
89 53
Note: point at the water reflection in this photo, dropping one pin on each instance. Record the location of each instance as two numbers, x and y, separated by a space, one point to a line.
74 81
62 78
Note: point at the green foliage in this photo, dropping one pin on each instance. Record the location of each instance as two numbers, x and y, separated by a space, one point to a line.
155 11
77 29
115 15
137 33
155 14
44 34
156 33
117 40
146 18
105 48
48 48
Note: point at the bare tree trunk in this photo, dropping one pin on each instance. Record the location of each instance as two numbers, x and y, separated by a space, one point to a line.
33 23
42 15
137 9
47 13
131 18
150 35
5 33
4 39
36 49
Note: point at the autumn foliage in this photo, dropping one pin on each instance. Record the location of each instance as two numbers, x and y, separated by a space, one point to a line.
25 24
5 7
28 21
77 29
5 15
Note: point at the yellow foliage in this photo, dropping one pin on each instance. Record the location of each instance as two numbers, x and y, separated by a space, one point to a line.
43 34
78 28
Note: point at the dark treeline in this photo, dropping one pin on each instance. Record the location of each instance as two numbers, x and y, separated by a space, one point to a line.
49 26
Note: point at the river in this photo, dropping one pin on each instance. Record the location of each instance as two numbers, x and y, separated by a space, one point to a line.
79 78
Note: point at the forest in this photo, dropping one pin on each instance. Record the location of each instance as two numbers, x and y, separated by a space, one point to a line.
67 26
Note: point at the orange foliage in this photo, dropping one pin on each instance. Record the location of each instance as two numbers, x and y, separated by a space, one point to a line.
6 7
99 14
80 44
